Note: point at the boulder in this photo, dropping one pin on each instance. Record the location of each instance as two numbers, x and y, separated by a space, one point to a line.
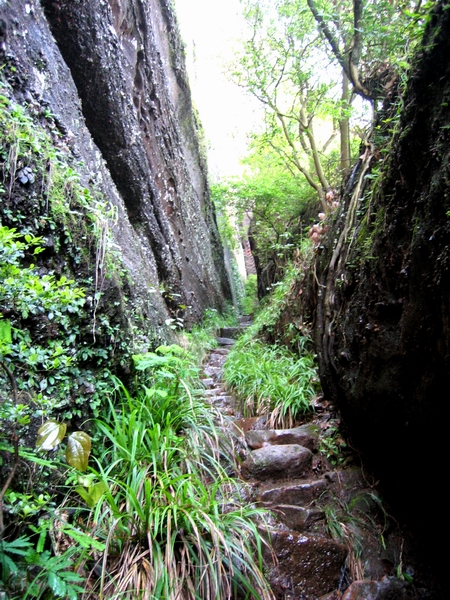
277 462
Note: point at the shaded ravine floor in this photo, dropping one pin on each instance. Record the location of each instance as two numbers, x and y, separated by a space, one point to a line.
330 533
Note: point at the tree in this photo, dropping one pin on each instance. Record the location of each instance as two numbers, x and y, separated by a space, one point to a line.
372 41
278 202
282 63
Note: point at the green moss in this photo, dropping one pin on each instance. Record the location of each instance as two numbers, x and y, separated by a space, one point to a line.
43 196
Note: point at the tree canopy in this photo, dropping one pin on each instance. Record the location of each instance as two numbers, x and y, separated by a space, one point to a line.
322 70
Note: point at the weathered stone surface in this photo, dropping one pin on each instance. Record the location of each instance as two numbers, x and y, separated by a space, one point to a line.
386 589
250 423
305 435
121 88
383 327
298 517
139 164
231 332
309 566
298 493
277 462
225 341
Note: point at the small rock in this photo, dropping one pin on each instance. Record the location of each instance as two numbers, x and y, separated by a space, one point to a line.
387 588
25 176
277 462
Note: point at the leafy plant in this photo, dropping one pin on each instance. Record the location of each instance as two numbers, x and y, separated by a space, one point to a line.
250 300
271 380
332 446
36 573
52 433
163 504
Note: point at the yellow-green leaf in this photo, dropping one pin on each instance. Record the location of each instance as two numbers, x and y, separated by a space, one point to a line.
50 434
98 490
93 495
5 331
78 450
85 495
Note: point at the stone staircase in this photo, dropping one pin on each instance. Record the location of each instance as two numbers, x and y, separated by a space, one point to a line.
308 497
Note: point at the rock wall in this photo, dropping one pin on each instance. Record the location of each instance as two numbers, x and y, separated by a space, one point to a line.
112 75
383 331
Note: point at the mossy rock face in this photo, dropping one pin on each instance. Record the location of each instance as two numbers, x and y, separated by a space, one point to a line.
106 169
383 332
113 95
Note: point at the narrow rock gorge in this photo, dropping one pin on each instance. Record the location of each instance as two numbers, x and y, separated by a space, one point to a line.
107 173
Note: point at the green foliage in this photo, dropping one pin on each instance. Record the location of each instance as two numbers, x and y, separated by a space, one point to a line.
274 198
45 370
333 446
275 303
62 341
167 511
30 573
390 32
250 300
282 63
271 380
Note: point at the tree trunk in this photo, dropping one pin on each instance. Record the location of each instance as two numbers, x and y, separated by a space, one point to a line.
344 125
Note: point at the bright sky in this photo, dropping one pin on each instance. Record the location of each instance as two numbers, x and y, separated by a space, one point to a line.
210 29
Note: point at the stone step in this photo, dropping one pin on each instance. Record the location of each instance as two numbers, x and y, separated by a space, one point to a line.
208 382
305 435
298 518
218 353
388 587
223 341
231 332
245 320
277 462
300 492
309 566
249 423
215 372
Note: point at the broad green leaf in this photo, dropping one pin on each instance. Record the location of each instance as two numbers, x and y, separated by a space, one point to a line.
78 450
50 434
5 331
85 495
98 490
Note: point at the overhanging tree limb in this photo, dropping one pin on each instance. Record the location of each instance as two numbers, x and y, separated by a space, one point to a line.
348 63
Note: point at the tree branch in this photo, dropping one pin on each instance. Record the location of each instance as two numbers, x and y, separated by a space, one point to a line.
349 65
